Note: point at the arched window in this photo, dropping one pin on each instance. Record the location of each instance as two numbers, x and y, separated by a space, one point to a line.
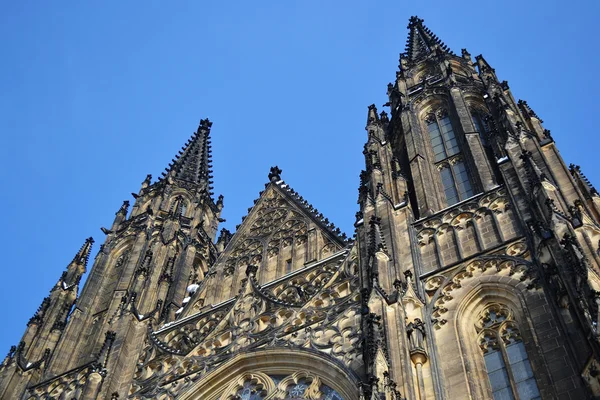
446 152
506 361
442 137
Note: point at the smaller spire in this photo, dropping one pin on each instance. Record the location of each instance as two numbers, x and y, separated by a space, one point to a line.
83 254
193 162
485 69
372 116
124 208
421 41
147 181
224 239
77 267
466 55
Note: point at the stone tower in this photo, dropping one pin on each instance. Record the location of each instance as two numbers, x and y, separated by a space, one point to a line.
474 272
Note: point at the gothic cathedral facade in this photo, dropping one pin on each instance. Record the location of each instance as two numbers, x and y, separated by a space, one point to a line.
474 271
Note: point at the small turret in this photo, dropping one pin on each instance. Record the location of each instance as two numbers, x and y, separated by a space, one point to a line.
372 116
486 72
46 326
77 267
223 240
120 215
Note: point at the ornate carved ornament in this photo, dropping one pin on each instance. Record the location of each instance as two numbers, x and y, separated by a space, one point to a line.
458 217
329 321
443 289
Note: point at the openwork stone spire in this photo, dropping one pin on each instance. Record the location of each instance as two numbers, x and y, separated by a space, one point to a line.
193 162
421 41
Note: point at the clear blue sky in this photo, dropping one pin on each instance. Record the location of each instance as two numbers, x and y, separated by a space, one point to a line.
95 95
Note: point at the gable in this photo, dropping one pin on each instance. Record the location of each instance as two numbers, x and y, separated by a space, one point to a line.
280 235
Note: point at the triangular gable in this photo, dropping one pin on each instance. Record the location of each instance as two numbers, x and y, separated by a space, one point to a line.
281 234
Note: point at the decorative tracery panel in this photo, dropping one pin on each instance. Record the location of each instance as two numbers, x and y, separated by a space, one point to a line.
506 361
301 385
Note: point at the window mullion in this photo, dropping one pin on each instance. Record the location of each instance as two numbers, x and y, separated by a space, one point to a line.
509 371
451 166
437 121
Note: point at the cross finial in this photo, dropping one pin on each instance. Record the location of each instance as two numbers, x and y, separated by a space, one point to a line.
275 174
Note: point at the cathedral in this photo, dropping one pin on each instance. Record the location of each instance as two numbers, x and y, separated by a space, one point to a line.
473 272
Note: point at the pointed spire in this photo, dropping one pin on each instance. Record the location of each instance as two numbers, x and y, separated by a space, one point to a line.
421 41
193 162
83 254
77 267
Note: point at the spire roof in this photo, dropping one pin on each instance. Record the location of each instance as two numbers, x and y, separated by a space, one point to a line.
193 162
83 254
421 41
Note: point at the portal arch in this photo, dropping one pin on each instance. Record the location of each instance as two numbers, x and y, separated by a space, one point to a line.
277 374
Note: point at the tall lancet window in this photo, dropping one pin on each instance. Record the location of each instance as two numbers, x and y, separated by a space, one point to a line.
480 126
446 152
506 362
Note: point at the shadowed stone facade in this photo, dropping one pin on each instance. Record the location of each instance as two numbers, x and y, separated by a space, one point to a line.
474 272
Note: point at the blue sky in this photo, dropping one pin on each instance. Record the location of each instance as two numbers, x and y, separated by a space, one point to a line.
95 95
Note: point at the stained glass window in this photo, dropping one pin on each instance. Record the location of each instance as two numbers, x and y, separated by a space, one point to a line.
506 362
250 392
462 180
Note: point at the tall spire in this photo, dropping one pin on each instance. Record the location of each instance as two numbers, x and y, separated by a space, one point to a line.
193 162
421 41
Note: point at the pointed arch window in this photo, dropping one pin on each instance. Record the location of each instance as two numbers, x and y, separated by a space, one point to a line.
506 361
441 135
446 151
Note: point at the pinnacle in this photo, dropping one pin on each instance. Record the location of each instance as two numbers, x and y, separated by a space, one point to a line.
193 162
421 41
275 174
372 116
83 254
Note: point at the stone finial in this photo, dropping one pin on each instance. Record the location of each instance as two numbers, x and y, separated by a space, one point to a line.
147 181
205 124
124 207
372 116
275 174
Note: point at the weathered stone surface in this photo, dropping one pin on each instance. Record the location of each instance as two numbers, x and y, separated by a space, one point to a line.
475 270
